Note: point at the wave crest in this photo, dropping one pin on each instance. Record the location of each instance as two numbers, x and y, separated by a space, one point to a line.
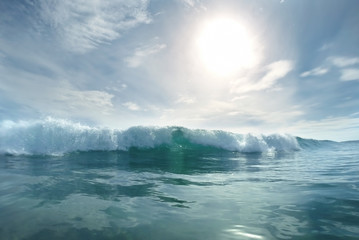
54 136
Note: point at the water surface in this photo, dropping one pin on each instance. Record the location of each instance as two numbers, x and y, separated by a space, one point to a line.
182 193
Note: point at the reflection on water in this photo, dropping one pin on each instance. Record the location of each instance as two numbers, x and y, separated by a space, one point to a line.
179 194
242 231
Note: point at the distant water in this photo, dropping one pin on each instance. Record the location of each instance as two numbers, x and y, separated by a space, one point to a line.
60 180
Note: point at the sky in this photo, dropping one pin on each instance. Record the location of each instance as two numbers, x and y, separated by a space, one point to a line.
261 66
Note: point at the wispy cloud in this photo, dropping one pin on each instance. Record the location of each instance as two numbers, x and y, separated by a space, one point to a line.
274 72
2 56
349 74
183 99
344 61
332 128
54 96
241 115
325 46
191 3
83 25
131 106
315 72
118 88
197 5
76 100
141 53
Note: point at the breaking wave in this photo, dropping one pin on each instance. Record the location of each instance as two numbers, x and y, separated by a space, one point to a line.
54 136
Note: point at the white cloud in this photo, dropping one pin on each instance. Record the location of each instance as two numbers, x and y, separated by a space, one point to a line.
77 99
238 98
84 24
241 115
344 61
325 46
275 71
54 96
118 88
350 74
332 128
2 56
315 72
185 99
131 106
191 3
197 5
141 53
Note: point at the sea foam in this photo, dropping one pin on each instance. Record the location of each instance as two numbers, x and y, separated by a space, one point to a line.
55 136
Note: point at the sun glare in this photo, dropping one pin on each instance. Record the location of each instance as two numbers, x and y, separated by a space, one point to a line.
225 46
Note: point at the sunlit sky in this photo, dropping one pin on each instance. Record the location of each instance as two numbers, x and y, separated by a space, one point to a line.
262 66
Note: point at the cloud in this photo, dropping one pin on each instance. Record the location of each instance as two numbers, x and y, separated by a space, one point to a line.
185 99
2 56
255 112
141 53
77 99
53 96
83 25
120 88
325 46
315 72
191 3
350 74
197 5
274 72
344 61
131 106
340 128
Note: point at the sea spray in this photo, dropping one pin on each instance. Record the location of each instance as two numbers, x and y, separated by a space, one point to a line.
55 136
173 183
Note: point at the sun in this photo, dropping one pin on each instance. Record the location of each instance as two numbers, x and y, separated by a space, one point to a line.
225 47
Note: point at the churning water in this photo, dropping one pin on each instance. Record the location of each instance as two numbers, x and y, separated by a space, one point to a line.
60 180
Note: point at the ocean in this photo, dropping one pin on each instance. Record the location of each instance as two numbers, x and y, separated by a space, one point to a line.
63 180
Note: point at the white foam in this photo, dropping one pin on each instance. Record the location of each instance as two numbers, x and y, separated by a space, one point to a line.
243 142
56 136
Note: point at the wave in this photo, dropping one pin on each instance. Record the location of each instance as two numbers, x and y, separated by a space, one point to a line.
328 144
314 143
55 136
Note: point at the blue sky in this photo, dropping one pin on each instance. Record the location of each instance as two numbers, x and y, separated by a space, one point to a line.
126 63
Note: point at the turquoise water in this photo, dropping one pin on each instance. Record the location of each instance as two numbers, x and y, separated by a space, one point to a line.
182 190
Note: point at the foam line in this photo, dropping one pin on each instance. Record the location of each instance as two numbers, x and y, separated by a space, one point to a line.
56 136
